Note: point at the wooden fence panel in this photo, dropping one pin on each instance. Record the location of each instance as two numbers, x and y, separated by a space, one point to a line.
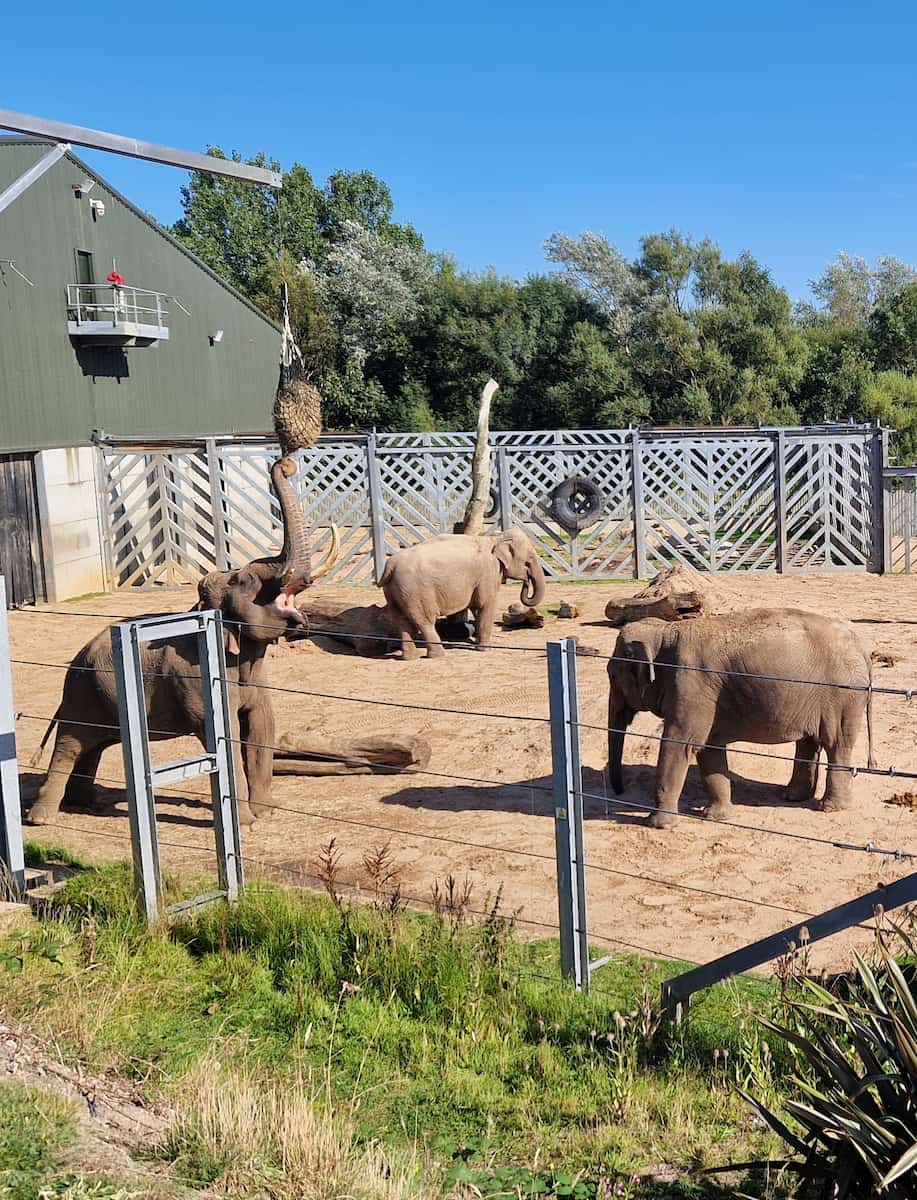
724 500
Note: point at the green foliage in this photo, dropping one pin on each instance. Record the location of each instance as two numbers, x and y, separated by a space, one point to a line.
854 1121
890 397
34 1128
426 1027
893 329
705 339
398 338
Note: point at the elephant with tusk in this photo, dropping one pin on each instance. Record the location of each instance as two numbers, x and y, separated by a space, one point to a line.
257 606
712 682
453 572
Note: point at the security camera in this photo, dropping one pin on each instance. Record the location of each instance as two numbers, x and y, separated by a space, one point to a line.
97 208
216 337
84 188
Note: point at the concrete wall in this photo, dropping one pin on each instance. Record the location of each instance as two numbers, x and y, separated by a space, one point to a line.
71 543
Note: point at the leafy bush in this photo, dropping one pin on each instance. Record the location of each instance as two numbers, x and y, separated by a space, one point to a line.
854 1118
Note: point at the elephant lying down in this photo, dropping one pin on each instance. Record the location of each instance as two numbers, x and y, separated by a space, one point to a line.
706 710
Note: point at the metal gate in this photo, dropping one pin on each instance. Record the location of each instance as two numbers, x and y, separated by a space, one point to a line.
901 519
715 500
20 539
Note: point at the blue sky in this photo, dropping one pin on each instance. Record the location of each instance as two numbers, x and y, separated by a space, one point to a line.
785 129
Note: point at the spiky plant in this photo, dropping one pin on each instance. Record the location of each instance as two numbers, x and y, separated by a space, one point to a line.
855 1085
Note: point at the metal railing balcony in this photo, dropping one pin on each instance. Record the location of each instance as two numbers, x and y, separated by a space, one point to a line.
108 314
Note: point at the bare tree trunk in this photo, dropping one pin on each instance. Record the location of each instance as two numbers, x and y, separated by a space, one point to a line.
480 465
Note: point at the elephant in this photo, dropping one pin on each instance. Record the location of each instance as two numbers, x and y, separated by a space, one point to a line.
453 572
724 699
257 605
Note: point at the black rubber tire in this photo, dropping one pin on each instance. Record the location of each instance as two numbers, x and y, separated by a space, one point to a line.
494 506
577 503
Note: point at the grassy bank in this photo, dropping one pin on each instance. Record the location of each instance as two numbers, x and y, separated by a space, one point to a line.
378 1052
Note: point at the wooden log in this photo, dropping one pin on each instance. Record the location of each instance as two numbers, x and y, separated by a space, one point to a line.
680 606
312 754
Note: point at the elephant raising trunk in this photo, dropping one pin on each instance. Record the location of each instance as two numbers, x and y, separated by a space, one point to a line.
281 576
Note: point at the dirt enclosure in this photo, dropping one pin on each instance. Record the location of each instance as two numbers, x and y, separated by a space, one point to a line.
733 884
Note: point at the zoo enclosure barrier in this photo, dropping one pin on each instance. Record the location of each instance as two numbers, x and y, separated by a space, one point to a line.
783 499
566 793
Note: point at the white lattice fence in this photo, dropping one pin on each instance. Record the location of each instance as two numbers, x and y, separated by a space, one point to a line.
781 499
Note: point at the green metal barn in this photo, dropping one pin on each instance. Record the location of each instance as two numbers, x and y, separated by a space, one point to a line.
167 350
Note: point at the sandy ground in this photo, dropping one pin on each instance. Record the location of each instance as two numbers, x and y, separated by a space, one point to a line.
500 831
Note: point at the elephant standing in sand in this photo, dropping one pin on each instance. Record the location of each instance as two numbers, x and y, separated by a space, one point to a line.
257 605
454 572
720 701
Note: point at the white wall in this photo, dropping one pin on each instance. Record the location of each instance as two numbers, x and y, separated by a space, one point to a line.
71 545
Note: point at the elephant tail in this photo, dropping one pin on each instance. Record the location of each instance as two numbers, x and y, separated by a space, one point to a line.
36 757
386 574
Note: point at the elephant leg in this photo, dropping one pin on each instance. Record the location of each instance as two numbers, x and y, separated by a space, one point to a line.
715 773
804 779
839 782
484 623
431 637
671 769
81 786
69 748
257 729
405 630
246 816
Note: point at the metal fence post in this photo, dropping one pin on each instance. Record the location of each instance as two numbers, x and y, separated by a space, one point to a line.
220 532
882 551
637 500
376 516
11 852
218 733
504 490
780 501
568 812
135 748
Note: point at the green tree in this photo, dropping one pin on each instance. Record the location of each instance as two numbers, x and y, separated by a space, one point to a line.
240 229
893 331
891 398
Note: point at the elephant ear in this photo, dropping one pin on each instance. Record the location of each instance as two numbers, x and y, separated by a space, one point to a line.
642 650
504 551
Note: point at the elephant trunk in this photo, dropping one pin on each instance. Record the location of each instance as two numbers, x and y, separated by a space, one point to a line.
533 589
619 718
292 568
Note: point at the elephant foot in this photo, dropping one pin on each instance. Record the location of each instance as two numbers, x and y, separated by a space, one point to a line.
41 814
246 816
438 652
836 803
718 812
262 812
798 796
662 819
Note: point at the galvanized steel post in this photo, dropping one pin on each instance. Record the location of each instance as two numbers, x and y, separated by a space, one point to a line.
376 517
638 501
568 812
11 852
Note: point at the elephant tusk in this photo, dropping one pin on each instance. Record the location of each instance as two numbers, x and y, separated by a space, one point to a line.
652 671
331 557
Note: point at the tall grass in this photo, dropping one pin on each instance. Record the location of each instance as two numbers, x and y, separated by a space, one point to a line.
410 1038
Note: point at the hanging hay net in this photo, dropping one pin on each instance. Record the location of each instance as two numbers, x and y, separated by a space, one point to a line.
297 403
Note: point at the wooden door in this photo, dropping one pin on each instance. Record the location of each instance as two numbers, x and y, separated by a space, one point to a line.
20 540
